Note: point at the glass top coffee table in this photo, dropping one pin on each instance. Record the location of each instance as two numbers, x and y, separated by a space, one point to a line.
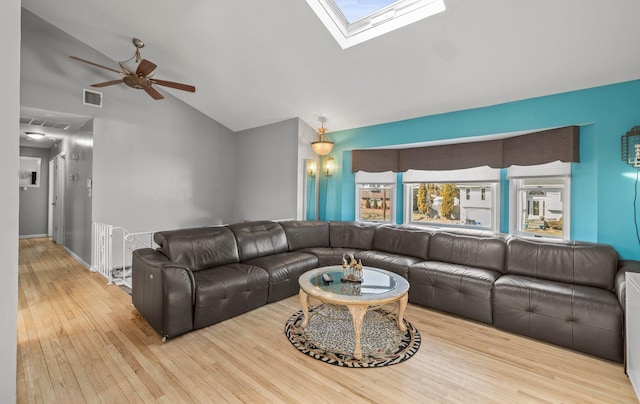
378 287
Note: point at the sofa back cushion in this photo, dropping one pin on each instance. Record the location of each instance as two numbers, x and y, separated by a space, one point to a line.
351 235
257 239
199 248
402 240
569 261
306 234
487 252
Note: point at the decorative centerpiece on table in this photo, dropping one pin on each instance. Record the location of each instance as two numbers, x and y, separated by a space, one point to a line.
352 271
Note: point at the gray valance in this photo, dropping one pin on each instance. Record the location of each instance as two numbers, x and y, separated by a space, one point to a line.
561 144
374 161
452 156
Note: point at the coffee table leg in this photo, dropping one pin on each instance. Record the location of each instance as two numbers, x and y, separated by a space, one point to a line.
402 305
304 300
357 315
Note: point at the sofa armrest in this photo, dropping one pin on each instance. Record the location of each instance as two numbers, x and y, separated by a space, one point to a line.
624 266
163 292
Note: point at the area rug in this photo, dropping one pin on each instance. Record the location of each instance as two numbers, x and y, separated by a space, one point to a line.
329 337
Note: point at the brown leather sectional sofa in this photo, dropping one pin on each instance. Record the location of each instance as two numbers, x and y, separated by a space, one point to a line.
567 293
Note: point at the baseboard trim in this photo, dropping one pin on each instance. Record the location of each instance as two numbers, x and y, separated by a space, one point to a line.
33 236
77 258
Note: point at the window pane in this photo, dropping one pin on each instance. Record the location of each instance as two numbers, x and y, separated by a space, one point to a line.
440 204
541 207
353 10
375 202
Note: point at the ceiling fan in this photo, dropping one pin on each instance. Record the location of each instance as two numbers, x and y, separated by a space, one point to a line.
140 78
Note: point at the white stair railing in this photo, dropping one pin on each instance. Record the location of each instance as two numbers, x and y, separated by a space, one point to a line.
112 251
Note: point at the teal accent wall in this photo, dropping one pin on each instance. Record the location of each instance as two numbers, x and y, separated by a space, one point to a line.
602 187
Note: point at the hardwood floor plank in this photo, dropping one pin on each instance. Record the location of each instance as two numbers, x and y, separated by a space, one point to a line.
81 340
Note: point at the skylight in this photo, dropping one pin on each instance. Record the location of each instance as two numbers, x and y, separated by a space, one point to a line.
354 10
354 21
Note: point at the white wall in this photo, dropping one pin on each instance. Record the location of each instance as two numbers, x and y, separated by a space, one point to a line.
267 172
156 164
9 114
306 135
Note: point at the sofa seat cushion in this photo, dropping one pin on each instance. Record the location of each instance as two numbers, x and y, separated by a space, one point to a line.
330 255
583 318
391 262
227 291
284 269
457 289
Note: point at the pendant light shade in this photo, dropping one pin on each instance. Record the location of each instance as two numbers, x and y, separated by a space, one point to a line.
322 146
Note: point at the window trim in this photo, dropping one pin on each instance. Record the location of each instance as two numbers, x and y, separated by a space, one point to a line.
392 201
515 187
388 178
475 175
389 18
495 206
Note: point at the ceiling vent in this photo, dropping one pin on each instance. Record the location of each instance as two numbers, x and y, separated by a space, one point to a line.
93 98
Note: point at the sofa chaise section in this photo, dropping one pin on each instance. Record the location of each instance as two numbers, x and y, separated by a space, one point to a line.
194 280
563 293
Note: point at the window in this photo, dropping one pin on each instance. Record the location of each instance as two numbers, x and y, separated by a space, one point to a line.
375 197
433 198
540 206
375 202
355 21
540 200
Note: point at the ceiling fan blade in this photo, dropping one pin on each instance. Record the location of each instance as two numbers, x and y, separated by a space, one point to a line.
153 93
179 86
107 83
145 68
95 64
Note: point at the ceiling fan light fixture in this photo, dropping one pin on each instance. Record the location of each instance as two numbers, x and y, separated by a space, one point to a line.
35 135
322 146
138 74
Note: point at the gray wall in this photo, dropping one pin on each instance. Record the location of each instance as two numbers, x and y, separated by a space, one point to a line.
267 172
156 164
9 114
78 199
34 200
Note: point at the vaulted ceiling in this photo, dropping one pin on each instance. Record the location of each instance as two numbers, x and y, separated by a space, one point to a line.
256 62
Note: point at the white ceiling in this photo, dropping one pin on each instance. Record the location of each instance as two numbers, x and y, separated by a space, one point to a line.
54 125
256 62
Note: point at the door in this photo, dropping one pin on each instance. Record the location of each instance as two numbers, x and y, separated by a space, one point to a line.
58 198
50 194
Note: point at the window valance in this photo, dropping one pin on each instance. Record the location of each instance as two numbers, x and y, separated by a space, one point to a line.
561 144
374 161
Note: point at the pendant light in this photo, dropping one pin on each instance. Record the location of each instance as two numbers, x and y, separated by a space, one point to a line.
322 146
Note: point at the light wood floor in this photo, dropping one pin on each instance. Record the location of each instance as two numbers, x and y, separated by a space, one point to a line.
80 340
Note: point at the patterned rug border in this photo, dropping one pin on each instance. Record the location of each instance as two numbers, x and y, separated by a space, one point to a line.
408 347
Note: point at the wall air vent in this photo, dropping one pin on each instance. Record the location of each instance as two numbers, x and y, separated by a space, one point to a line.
90 97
